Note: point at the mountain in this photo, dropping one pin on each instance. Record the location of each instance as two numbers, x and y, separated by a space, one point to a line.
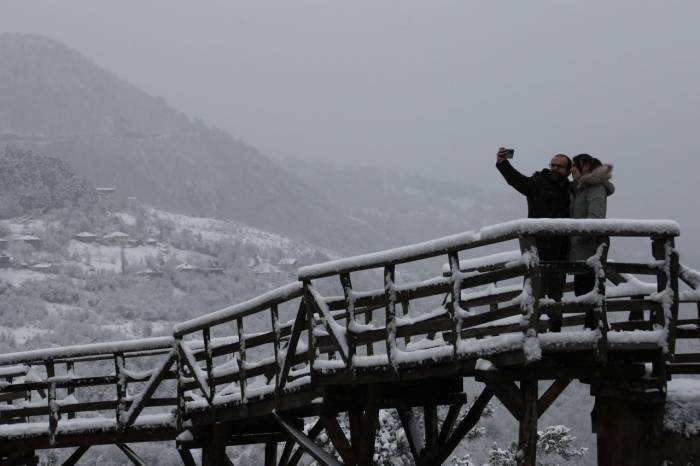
56 102
32 182
401 206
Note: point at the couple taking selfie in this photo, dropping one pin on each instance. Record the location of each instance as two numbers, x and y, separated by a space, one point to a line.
550 194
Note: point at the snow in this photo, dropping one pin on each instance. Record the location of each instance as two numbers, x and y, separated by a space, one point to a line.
86 350
507 257
682 411
492 234
82 425
284 293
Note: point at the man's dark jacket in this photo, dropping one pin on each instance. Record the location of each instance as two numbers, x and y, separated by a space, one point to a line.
547 197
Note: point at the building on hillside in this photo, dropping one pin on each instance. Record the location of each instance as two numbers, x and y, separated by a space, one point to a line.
103 191
85 237
44 267
4 261
3 243
151 242
150 273
265 268
288 263
115 238
29 239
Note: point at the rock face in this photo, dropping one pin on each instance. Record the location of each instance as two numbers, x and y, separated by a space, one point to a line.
32 182
56 102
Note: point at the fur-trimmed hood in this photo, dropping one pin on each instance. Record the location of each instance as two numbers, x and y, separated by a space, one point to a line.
600 176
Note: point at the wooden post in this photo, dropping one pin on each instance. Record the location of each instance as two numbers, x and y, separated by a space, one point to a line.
180 374
242 382
274 317
214 448
601 312
119 362
346 283
674 271
310 322
71 390
456 295
271 453
527 438
209 361
405 312
658 250
390 292
54 414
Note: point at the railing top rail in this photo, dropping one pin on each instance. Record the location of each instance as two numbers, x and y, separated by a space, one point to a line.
279 295
91 349
491 235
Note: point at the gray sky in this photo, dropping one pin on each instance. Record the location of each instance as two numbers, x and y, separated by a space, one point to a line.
431 86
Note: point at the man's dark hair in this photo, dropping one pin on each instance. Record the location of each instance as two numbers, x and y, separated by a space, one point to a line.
569 163
586 159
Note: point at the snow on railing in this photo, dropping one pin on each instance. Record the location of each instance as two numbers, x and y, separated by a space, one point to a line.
276 296
490 235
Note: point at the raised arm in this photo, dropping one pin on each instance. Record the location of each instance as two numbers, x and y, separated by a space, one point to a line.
513 177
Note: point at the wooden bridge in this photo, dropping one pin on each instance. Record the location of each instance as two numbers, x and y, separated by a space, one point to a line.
362 334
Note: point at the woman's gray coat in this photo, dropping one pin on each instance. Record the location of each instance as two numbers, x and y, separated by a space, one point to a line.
589 199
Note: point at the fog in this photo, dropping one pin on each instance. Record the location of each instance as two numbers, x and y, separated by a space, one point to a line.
430 87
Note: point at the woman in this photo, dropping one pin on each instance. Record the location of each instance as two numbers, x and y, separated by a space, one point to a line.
590 191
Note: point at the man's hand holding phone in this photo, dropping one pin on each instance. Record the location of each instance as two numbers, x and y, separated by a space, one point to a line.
504 154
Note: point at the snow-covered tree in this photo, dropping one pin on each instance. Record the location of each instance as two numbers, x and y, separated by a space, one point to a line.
554 444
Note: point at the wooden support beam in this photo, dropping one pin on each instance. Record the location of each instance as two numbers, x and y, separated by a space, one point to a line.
413 434
527 437
313 433
315 451
552 393
369 428
449 422
286 453
186 455
20 458
511 397
214 449
75 456
196 371
271 453
131 454
430 421
299 323
141 400
465 426
338 438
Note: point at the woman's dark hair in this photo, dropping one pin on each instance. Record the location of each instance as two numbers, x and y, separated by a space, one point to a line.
586 159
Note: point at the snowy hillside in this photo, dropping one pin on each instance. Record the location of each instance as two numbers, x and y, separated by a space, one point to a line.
165 268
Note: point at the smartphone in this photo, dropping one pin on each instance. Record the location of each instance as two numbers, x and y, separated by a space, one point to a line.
510 153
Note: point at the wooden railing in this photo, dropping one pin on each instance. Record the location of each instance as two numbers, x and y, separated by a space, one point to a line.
458 329
472 316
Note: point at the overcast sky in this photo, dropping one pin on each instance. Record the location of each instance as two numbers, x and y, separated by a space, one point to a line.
432 86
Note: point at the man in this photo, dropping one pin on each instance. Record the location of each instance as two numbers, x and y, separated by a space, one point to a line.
547 192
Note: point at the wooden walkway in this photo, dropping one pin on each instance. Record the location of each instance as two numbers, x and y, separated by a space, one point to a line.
362 334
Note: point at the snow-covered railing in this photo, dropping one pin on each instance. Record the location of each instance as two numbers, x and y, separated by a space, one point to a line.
459 329
62 382
492 235
256 365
